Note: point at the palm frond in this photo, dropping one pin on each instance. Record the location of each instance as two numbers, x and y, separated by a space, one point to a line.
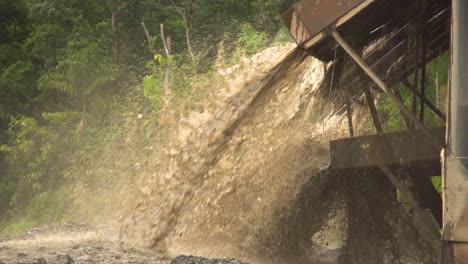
56 81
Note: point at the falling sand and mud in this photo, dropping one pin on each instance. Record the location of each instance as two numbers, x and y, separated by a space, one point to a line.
244 175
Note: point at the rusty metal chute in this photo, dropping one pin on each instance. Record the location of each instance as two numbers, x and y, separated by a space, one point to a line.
359 21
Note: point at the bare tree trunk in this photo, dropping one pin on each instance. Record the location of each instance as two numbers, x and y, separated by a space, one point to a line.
82 125
189 45
188 28
148 37
187 18
115 44
167 42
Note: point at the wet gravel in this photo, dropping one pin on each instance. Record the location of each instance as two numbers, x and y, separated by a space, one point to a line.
97 254
80 244
198 260
85 254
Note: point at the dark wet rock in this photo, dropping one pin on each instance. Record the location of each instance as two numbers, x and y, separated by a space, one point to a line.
39 261
65 259
199 260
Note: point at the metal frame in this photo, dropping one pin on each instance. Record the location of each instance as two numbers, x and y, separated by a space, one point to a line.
381 84
431 225
427 44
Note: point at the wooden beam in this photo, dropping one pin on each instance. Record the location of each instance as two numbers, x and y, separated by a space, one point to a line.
373 110
417 43
423 78
368 151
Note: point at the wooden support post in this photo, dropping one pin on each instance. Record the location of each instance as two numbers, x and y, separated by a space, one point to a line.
429 104
423 78
353 54
416 75
373 110
349 112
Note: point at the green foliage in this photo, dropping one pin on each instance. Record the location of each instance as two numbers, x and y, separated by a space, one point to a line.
252 40
33 151
283 36
44 208
81 70
152 90
391 114
13 82
58 56
437 182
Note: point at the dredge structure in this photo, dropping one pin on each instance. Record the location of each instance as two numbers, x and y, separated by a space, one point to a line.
377 46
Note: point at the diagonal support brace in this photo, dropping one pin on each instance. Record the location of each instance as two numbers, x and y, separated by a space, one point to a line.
434 108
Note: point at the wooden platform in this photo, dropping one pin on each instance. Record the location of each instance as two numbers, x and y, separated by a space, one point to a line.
405 149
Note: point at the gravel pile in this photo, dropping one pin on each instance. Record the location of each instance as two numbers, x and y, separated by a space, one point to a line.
198 260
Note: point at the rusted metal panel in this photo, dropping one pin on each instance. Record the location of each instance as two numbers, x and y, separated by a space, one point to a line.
296 26
359 21
308 18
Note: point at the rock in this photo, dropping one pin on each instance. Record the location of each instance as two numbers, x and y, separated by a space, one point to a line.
39 261
199 260
85 259
65 259
21 255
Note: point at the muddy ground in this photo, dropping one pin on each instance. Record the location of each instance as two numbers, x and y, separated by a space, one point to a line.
67 244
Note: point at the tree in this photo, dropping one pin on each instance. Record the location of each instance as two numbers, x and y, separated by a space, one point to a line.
80 73
115 8
186 13
165 61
